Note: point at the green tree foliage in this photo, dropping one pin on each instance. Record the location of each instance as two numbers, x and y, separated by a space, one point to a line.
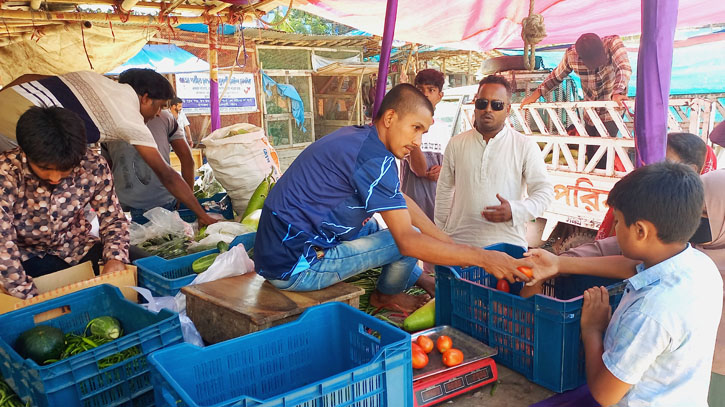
300 22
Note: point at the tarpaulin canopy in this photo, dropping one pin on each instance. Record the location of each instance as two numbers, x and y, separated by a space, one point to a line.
164 59
489 24
64 48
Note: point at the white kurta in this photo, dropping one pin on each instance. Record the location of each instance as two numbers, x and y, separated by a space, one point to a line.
474 171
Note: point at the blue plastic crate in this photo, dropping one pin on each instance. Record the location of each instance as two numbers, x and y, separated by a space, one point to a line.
166 277
220 203
78 381
333 355
538 337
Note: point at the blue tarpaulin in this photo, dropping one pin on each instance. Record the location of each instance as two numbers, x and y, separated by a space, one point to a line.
164 59
289 91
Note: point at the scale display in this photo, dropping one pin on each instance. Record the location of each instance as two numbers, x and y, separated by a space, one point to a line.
435 383
437 392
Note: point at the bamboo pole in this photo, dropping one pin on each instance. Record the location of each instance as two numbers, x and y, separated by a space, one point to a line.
95 17
214 75
139 4
127 5
219 8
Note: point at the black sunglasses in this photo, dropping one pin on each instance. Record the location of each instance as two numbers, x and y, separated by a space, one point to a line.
496 105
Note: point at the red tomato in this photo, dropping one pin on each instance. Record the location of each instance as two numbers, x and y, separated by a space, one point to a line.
503 285
416 347
526 270
420 359
452 357
425 343
443 343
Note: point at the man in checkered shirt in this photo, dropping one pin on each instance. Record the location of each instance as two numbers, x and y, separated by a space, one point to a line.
603 66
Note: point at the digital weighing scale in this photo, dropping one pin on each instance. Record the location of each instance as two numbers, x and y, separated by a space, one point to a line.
437 382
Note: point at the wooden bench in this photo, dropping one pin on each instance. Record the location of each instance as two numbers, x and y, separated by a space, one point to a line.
236 306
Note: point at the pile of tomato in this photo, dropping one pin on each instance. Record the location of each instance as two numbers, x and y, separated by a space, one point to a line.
424 345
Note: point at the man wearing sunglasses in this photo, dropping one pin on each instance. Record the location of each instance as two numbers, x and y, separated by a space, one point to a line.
493 180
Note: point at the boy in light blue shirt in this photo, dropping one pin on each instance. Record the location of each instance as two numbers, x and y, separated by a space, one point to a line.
657 348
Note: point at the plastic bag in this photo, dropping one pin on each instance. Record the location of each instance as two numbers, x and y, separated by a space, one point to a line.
206 186
235 262
161 222
241 161
155 304
220 232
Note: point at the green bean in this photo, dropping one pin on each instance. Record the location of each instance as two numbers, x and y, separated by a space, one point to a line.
89 342
494 386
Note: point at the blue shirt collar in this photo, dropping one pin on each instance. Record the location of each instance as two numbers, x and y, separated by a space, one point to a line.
653 274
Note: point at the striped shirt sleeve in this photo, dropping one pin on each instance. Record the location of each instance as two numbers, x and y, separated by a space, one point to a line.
620 60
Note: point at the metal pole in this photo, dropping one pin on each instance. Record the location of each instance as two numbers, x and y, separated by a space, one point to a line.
654 68
213 74
388 33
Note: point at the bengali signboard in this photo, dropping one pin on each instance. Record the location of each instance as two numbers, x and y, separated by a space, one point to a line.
240 96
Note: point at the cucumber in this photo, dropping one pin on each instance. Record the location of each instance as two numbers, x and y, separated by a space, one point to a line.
423 318
202 263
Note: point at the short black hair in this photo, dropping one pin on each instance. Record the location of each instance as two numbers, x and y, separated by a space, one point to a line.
499 80
403 99
175 101
690 148
52 136
430 77
147 81
669 195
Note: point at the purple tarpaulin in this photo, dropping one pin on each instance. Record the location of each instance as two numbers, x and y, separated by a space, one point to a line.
216 120
388 33
654 67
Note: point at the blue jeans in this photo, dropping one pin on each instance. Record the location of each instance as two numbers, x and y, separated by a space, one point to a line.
372 248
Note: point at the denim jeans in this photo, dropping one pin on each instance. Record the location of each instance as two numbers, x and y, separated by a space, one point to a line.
372 248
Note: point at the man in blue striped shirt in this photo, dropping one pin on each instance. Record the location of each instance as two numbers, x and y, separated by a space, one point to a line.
317 229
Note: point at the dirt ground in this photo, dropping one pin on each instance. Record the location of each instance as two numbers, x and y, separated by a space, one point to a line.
513 390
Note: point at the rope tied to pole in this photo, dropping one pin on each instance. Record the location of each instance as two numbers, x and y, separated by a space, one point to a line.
533 31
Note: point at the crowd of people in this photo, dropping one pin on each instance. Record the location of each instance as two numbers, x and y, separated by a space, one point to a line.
446 203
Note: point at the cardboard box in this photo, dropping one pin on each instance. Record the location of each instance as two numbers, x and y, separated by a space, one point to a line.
70 280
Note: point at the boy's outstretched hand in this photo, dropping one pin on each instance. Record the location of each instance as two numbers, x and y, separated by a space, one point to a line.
546 265
596 312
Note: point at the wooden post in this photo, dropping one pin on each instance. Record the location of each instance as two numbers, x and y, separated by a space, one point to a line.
214 75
